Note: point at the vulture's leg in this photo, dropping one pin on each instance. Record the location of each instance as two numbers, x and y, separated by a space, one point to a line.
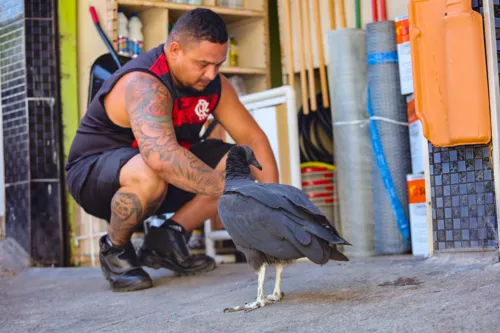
277 295
260 301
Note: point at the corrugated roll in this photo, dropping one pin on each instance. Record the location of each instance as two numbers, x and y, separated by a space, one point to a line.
346 67
391 120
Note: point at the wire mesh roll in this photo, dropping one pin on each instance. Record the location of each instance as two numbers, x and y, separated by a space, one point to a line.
389 109
346 68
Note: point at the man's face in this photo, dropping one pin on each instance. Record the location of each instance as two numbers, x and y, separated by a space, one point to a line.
197 63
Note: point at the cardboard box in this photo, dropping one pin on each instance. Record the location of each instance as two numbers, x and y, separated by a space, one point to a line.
418 215
417 139
404 54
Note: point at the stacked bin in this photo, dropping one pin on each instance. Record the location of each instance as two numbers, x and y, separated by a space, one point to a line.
320 186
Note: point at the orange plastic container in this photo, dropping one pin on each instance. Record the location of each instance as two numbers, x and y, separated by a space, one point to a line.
449 72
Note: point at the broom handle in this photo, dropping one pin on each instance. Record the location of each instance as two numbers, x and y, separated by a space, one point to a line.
288 33
310 63
343 23
321 52
303 82
333 23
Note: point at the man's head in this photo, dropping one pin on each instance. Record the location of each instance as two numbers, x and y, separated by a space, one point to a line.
196 47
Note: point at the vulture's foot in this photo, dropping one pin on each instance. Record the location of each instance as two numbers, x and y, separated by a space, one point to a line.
248 307
275 297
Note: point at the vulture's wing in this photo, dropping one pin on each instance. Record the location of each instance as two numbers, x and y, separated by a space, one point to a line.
296 205
253 224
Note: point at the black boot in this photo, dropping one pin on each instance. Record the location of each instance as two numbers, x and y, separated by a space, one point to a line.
121 268
166 247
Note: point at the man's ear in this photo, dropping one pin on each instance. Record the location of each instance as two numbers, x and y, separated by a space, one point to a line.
174 48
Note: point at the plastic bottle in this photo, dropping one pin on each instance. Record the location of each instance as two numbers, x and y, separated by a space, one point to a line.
123 48
233 54
135 35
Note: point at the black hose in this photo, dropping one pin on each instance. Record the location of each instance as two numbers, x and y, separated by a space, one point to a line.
312 147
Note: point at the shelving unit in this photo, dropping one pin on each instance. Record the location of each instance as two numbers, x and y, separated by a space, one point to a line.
249 27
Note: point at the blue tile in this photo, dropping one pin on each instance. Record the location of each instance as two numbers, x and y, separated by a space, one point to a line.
440 224
473 222
456 223
480 210
478 164
438 180
439 202
465 234
486 151
454 178
470 176
472 199
488 198
455 201
437 157
487 175
447 213
469 153
463 188
449 235
458 244
453 155
446 167
461 166
474 244
464 211
479 187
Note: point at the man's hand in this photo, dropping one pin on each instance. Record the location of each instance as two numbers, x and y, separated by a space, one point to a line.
149 106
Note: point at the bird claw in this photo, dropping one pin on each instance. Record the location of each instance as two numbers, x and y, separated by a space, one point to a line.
274 298
247 307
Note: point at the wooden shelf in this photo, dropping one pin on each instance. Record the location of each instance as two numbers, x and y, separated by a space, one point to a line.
243 70
229 15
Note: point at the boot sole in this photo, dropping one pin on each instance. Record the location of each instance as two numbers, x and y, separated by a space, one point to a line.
138 285
156 263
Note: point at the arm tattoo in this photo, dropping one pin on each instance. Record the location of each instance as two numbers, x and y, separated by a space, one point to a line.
150 104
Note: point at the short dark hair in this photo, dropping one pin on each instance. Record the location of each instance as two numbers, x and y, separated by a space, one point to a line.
199 24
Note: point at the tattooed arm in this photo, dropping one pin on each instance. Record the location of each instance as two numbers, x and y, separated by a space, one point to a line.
149 106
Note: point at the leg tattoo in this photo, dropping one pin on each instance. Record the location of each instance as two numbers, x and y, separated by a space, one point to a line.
126 212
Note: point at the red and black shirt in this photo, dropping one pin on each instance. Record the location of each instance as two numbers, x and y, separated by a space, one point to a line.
97 133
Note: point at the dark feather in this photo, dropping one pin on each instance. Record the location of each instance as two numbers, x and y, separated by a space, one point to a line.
273 222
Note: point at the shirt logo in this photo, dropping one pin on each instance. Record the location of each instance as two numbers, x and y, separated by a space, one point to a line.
201 109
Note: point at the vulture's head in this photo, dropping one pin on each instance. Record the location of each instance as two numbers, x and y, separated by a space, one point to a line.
244 154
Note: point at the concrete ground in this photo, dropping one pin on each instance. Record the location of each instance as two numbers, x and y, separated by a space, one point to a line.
447 293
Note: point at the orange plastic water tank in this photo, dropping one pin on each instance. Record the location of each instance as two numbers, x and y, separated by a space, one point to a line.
449 72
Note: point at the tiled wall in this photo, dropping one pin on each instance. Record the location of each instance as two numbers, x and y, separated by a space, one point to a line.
32 129
463 194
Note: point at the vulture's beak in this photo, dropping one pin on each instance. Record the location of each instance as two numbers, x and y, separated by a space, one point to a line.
256 164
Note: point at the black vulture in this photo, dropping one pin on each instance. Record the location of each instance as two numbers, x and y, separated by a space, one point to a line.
272 224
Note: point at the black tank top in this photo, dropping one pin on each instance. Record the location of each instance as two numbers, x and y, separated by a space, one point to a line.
97 133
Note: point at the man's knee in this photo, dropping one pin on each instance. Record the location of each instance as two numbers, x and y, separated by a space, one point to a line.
138 175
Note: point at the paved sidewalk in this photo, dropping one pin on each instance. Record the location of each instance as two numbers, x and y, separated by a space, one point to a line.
448 293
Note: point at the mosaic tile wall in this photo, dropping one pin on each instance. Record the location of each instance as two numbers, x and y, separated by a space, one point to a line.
32 129
463 195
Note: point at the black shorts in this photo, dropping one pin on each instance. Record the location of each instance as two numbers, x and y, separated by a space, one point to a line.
94 180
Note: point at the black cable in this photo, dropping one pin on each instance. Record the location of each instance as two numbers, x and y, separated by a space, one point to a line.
312 148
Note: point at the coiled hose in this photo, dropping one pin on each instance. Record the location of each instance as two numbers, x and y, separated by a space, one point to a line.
315 147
